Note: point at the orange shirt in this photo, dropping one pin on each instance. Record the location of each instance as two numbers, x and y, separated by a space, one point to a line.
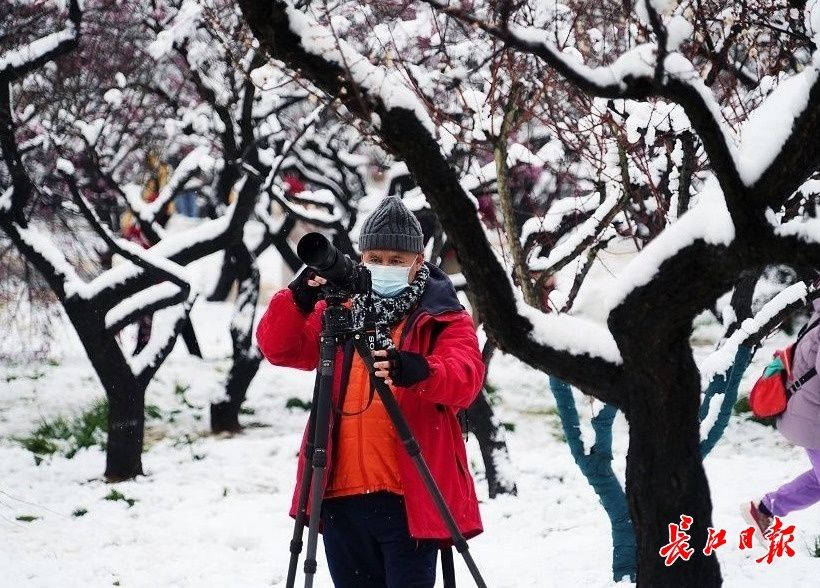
364 455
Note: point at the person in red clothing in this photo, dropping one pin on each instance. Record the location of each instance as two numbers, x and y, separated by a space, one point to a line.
380 526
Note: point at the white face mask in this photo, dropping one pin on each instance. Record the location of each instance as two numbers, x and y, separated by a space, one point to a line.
389 280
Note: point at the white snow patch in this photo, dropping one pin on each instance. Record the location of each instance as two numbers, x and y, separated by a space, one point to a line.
588 228
65 166
183 26
770 125
678 30
637 62
164 323
572 334
5 199
113 97
36 49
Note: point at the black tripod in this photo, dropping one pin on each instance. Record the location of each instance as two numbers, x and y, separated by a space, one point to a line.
337 329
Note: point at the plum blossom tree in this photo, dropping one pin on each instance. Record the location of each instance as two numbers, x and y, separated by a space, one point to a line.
151 280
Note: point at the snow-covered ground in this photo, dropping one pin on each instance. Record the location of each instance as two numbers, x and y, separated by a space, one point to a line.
212 510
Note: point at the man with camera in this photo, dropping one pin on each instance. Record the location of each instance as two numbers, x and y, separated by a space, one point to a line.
380 525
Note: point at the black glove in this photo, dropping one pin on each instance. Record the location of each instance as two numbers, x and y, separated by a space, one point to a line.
305 295
407 368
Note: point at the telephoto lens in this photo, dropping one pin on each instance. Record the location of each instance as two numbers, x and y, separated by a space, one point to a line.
316 251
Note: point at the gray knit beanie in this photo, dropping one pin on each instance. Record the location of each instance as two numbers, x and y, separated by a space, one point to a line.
392 226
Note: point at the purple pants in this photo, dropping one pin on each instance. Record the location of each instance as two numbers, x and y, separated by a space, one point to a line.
800 493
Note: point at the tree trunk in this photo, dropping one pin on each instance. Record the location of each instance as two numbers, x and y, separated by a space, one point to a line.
664 475
742 297
490 435
227 276
246 356
125 393
126 426
225 415
596 465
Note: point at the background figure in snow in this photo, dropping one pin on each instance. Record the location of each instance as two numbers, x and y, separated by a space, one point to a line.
158 175
800 424
380 526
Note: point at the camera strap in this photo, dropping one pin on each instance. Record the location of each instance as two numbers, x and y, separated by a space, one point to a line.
341 412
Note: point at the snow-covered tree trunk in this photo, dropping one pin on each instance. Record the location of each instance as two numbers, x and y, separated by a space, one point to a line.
125 393
246 355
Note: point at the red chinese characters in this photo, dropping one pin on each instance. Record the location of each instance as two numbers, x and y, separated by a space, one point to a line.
678 546
778 537
746 538
717 537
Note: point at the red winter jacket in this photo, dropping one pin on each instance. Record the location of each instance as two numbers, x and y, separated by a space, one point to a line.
444 333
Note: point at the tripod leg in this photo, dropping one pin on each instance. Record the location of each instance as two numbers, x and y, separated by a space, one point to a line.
326 360
304 488
414 451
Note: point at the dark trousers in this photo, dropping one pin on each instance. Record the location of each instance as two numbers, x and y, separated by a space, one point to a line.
368 545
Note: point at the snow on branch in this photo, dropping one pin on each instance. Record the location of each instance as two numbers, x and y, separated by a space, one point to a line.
197 160
178 244
318 215
167 324
20 61
771 124
552 219
640 73
570 334
571 247
160 267
6 199
262 211
803 227
185 246
169 246
627 77
283 158
806 230
182 27
145 302
44 255
17 58
53 257
616 80
378 82
685 86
